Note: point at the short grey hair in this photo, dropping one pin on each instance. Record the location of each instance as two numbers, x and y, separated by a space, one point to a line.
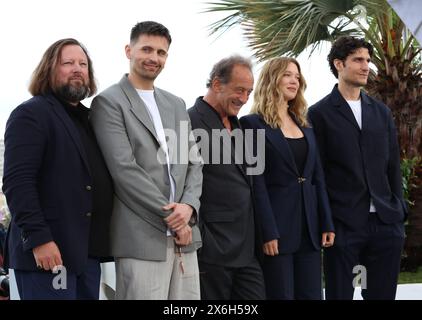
223 68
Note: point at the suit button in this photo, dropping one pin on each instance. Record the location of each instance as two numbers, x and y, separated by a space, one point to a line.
301 179
89 188
88 214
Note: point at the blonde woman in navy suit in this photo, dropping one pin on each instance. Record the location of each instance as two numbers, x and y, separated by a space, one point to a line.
290 195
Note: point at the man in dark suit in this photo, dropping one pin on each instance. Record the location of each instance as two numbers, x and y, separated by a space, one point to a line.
228 264
360 155
56 183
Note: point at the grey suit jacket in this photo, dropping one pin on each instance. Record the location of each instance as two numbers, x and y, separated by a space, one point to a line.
130 146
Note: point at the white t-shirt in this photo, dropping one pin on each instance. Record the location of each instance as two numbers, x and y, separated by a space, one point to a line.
356 107
148 98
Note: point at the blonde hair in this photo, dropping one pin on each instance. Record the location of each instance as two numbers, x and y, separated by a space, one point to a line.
267 93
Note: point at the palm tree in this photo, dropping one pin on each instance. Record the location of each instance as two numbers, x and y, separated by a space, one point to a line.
288 27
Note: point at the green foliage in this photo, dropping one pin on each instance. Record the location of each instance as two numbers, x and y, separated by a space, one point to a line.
411 277
408 169
288 27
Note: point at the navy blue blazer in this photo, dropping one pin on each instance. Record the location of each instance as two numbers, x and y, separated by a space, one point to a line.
279 190
46 182
359 164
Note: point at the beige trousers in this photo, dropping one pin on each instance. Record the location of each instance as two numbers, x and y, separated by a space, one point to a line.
177 278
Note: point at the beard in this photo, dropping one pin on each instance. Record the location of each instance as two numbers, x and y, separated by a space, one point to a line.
71 93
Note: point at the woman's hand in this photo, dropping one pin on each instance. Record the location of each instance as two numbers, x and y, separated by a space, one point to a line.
271 247
327 239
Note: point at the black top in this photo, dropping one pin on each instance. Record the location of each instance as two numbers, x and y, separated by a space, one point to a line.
102 185
234 121
299 148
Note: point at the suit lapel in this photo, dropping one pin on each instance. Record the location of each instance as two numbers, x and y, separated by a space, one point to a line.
138 107
367 112
166 110
247 152
310 157
343 107
167 115
211 119
70 127
278 141
239 154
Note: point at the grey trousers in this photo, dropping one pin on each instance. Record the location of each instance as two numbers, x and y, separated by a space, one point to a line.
177 278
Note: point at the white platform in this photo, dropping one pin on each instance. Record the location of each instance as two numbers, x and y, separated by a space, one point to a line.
404 291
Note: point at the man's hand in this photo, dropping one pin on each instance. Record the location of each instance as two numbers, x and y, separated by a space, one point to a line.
47 256
180 216
184 236
271 247
327 239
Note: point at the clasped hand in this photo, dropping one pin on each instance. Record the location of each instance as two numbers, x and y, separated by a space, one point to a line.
178 221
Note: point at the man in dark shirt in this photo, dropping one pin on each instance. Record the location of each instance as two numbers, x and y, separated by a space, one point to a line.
56 183
228 262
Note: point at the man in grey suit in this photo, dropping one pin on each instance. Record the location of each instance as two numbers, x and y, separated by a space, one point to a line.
157 185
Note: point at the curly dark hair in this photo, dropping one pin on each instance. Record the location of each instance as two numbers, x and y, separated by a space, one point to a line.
345 46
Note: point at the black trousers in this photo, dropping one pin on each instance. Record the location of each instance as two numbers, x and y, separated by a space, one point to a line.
296 275
40 285
225 283
371 255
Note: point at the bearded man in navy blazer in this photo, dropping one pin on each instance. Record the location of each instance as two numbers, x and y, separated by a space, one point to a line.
56 183
360 154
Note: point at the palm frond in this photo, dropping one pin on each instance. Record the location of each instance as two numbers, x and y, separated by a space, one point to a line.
288 27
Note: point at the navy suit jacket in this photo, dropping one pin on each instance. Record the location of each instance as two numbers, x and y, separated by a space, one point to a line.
46 182
279 191
359 164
